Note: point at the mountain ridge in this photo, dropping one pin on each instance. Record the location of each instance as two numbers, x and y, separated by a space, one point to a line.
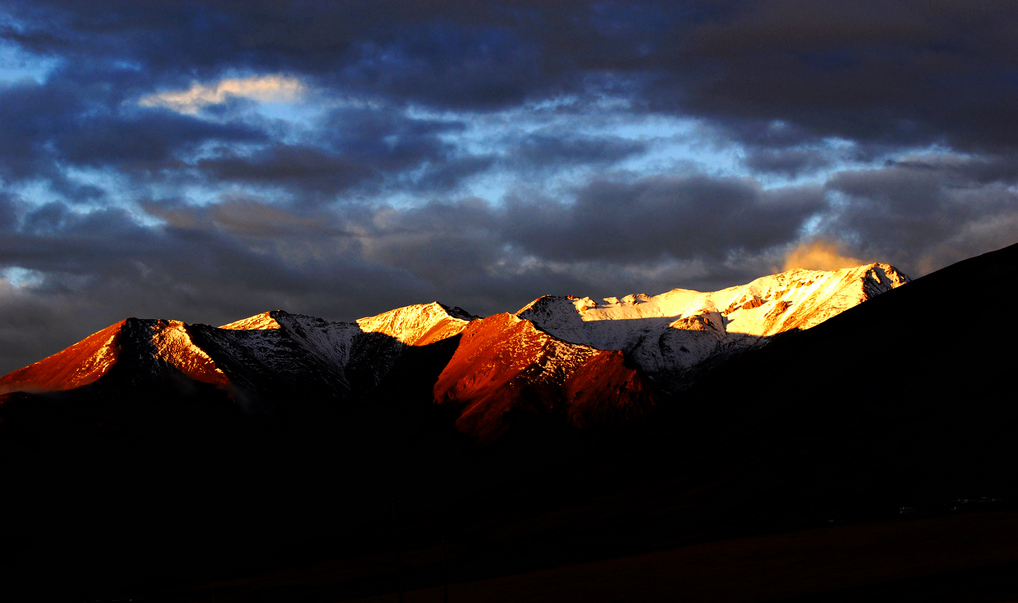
536 358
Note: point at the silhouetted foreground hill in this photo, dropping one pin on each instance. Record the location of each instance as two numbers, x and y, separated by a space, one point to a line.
919 414
898 410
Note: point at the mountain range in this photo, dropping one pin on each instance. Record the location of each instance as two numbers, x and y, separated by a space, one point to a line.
595 361
572 431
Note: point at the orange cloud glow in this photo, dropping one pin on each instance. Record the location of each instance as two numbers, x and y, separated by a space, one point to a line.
267 89
819 255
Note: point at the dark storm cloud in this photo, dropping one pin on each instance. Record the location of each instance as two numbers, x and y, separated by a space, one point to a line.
357 147
776 136
31 115
182 36
8 212
298 168
975 170
926 212
397 150
387 139
448 53
144 140
458 252
791 162
58 240
473 67
449 174
439 240
34 326
654 217
45 220
899 73
556 149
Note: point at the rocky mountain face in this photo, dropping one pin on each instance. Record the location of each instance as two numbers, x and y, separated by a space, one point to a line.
505 363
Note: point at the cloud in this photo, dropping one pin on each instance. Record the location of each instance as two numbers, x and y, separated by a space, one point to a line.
551 150
649 218
299 168
8 212
788 162
904 74
146 142
365 148
924 212
449 175
265 88
34 326
65 123
819 255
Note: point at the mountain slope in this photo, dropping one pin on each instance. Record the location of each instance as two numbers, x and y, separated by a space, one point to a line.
503 364
157 344
78 365
418 324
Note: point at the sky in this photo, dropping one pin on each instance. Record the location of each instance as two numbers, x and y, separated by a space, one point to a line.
207 161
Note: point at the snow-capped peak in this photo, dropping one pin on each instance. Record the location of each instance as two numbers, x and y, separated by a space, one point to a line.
800 299
167 342
257 322
174 345
416 325
679 328
80 364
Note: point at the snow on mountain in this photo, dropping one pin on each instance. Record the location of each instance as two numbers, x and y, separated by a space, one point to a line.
259 360
173 345
362 353
678 329
800 299
329 342
276 351
419 324
257 322
342 356
505 363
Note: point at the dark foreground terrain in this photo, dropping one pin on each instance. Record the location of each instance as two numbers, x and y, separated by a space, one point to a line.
958 557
